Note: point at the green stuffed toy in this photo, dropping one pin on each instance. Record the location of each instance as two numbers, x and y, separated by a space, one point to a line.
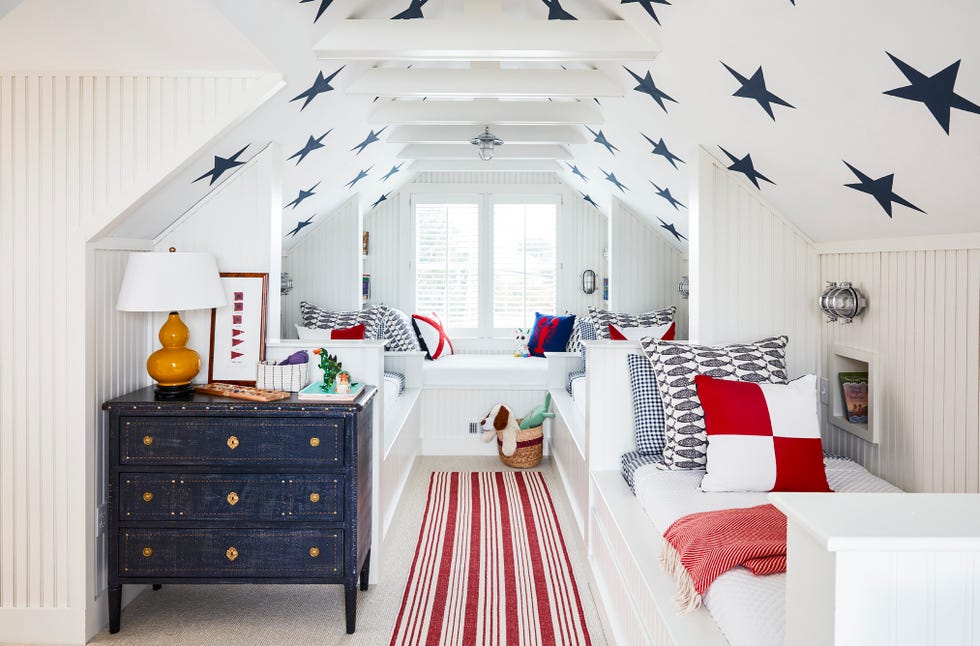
537 416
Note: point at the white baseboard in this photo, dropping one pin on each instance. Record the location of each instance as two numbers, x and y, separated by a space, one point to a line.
42 626
468 445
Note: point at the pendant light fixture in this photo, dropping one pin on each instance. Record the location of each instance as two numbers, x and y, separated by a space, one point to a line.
486 143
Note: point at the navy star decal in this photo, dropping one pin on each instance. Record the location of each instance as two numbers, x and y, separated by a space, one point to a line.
611 177
648 5
588 199
880 189
381 199
394 169
601 139
556 12
323 7
660 148
302 196
222 165
311 144
575 171
300 226
672 229
320 85
360 175
370 139
746 167
647 86
755 88
935 92
414 11
665 193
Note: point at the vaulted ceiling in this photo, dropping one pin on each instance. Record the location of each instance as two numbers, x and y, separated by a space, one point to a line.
855 119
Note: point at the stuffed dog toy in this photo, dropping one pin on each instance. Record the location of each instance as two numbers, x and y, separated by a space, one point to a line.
500 422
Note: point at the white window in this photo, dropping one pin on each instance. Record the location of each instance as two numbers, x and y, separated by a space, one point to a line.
524 263
447 269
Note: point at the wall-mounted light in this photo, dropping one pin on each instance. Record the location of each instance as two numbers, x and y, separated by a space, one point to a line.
842 302
588 281
286 284
684 287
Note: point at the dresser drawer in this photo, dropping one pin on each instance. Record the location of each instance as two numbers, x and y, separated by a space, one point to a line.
206 553
258 441
232 497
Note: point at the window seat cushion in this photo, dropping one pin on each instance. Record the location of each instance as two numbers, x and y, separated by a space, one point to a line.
486 371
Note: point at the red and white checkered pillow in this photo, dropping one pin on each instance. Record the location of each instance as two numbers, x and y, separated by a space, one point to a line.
762 437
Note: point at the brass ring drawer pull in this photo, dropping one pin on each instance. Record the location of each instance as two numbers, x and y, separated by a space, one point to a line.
314 552
233 499
233 442
147 552
147 496
314 441
232 554
147 440
314 497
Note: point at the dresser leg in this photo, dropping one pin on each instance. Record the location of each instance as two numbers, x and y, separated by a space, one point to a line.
115 607
365 570
351 606
157 586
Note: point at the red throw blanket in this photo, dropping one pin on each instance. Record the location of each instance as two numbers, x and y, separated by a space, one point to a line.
701 547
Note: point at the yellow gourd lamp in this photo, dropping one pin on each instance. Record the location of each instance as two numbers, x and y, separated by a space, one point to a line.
168 282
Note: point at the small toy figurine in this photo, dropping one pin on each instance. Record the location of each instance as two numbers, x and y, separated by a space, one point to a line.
520 341
537 416
343 383
330 366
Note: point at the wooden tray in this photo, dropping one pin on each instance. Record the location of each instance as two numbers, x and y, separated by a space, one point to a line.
242 392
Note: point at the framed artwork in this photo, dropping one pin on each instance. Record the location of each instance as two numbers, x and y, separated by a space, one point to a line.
238 329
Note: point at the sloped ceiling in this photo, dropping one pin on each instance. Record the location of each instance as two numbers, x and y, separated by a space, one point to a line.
857 119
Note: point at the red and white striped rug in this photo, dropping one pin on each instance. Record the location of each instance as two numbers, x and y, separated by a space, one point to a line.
490 567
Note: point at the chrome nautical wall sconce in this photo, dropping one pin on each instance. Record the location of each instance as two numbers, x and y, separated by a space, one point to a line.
684 287
842 302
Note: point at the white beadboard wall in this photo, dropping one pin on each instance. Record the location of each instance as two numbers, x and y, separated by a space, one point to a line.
386 260
583 235
922 327
447 414
753 274
325 266
76 150
250 204
644 268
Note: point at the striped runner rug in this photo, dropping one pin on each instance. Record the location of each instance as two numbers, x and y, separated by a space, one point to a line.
490 567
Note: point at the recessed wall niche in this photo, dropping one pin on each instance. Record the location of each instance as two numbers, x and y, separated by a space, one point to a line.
843 360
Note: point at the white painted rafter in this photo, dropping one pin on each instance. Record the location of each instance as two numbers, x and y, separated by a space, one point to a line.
537 134
485 112
507 151
495 165
484 83
484 38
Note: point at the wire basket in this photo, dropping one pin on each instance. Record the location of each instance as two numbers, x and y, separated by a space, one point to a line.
530 442
291 378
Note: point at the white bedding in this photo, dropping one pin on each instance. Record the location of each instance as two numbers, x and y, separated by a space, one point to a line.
486 371
750 610
391 391
578 394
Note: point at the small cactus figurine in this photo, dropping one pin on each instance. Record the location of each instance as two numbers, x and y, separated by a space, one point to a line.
330 366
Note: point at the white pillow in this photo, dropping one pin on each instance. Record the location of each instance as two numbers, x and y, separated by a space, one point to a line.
637 333
312 333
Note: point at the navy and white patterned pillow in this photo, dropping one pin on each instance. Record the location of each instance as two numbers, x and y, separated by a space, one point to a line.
632 461
648 409
602 318
572 376
317 317
397 329
584 331
676 365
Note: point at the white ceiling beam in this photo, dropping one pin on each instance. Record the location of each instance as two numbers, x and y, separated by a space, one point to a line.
507 151
485 39
537 134
494 165
484 84
486 112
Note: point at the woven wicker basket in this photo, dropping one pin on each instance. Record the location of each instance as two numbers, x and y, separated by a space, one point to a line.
529 445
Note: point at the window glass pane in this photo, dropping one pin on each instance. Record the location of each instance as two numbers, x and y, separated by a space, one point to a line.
447 262
524 263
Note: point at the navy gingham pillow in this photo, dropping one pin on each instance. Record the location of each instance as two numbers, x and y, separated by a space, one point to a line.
572 376
648 409
632 461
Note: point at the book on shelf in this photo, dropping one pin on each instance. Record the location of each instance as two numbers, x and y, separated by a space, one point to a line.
316 392
854 388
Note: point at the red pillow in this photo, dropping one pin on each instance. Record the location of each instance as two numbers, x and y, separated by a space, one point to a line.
662 332
355 332
762 437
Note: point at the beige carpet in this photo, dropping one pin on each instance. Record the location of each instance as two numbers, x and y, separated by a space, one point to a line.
279 614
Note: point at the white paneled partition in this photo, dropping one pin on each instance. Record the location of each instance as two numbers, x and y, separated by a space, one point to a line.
922 328
644 267
753 273
75 152
387 260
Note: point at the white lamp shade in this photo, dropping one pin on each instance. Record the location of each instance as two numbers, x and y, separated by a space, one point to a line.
170 282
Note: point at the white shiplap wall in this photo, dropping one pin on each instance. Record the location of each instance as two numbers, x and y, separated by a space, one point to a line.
387 261
75 152
644 268
922 327
583 235
753 274
325 266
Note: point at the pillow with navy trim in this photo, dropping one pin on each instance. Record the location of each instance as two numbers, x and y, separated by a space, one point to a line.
648 409
602 318
550 334
432 336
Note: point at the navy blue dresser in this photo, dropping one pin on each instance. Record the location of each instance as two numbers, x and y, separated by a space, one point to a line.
216 490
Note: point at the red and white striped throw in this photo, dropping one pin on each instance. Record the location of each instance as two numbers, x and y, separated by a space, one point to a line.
491 567
699 548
